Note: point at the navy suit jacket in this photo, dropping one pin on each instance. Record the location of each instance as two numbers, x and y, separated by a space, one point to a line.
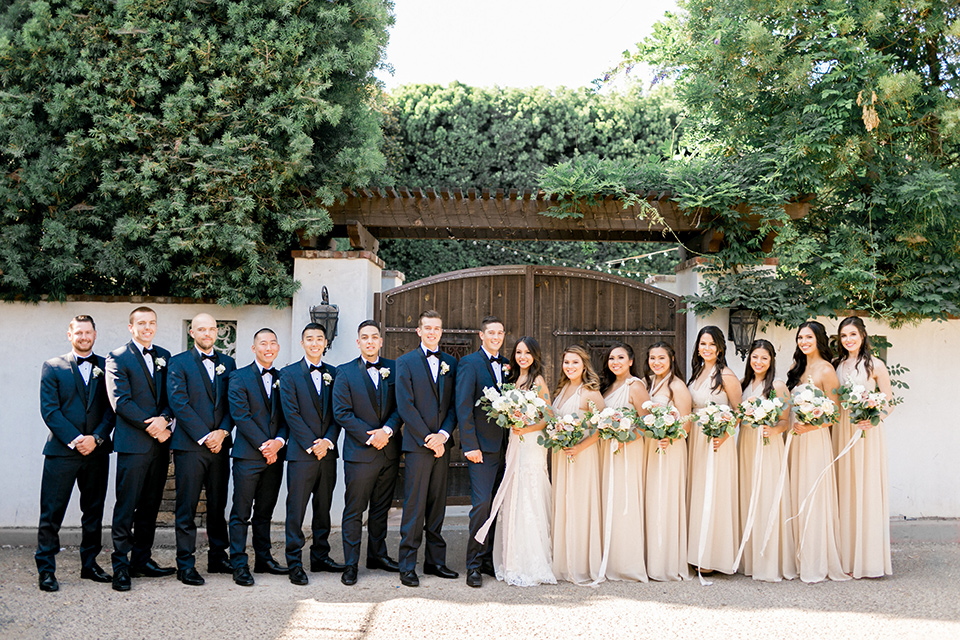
477 432
359 407
136 396
199 405
70 408
309 416
257 417
425 407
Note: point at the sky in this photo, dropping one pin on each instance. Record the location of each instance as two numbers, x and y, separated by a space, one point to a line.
514 43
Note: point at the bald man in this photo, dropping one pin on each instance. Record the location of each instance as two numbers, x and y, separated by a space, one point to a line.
197 392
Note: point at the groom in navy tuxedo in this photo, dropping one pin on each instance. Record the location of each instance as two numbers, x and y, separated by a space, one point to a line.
482 440
74 406
365 405
137 389
425 384
201 447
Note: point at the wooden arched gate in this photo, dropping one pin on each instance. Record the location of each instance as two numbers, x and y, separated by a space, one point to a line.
558 306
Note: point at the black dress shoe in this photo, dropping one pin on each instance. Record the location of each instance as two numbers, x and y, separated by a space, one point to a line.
95 573
440 570
190 577
474 579
349 576
48 581
270 566
241 575
219 565
152 570
121 579
298 576
486 567
384 563
409 579
327 565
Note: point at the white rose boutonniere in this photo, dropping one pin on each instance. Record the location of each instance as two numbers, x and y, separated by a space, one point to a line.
444 367
327 378
220 369
96 372
384 373
505 369
276 384
161 362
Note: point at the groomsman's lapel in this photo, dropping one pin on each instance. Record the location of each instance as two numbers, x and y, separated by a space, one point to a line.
204 375
137 353
78 378
434 384
91 388
312 388
372 391
493 376
258 381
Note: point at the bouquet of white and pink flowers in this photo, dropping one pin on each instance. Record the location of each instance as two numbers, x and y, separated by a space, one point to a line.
862 404
812 406
758 411
716 420
565 431
664 422
615 424
511 407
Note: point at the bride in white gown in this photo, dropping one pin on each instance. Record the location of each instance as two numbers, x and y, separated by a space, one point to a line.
522 549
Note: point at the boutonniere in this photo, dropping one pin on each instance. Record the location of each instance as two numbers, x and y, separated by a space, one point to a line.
97 372
220 369
276 384
444 367
161 362
327 378
505 369
384 372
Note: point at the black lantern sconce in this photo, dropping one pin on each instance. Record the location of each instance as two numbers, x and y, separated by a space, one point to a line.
326 315
743 329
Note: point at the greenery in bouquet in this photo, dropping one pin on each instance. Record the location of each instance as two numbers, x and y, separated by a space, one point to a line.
564 431
664 422
863 404
616 424
812 406
512 407
715 420
760 412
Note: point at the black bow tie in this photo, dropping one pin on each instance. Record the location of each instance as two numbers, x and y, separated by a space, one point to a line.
494 359
212 357
91 359
273 372
315 367
152 352
373 365
433 354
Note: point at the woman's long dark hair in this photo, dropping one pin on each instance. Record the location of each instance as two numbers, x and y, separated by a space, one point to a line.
536 368
795 375
749 375
864 355
696 363
649 377
607 378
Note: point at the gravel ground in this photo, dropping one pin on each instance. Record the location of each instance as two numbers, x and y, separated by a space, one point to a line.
922 600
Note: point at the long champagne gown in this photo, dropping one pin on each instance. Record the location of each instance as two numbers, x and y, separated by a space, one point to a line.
723 527
666 504
577 537
778 559
863 490
621 491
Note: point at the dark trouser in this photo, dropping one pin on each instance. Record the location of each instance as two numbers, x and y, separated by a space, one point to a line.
424 505
140 480
59 475
194 472
256 486
484 480
308 479
368 484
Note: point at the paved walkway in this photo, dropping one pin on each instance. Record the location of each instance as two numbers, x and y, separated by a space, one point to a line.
922 600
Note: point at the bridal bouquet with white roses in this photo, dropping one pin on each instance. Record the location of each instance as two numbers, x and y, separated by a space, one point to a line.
511 407
716 420
664 422
760 412
862 404
615 424
812 406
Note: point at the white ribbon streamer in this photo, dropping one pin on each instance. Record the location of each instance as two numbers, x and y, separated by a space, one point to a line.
607 518
754 495
509 477
778 494
707 514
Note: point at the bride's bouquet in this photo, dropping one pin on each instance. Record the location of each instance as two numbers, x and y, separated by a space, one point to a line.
511 407
663 422
862 404
564 431
615 424
762 412
716 420
812 406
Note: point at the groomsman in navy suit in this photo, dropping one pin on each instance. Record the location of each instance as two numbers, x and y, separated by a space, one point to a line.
258 456
425 384
74 406
482 440
137 389
201 447
305 393
365 405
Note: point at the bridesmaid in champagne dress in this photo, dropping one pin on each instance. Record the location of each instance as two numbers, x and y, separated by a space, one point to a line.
816 530
666 466
577 539
776 560
622 467
862 474
712 544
